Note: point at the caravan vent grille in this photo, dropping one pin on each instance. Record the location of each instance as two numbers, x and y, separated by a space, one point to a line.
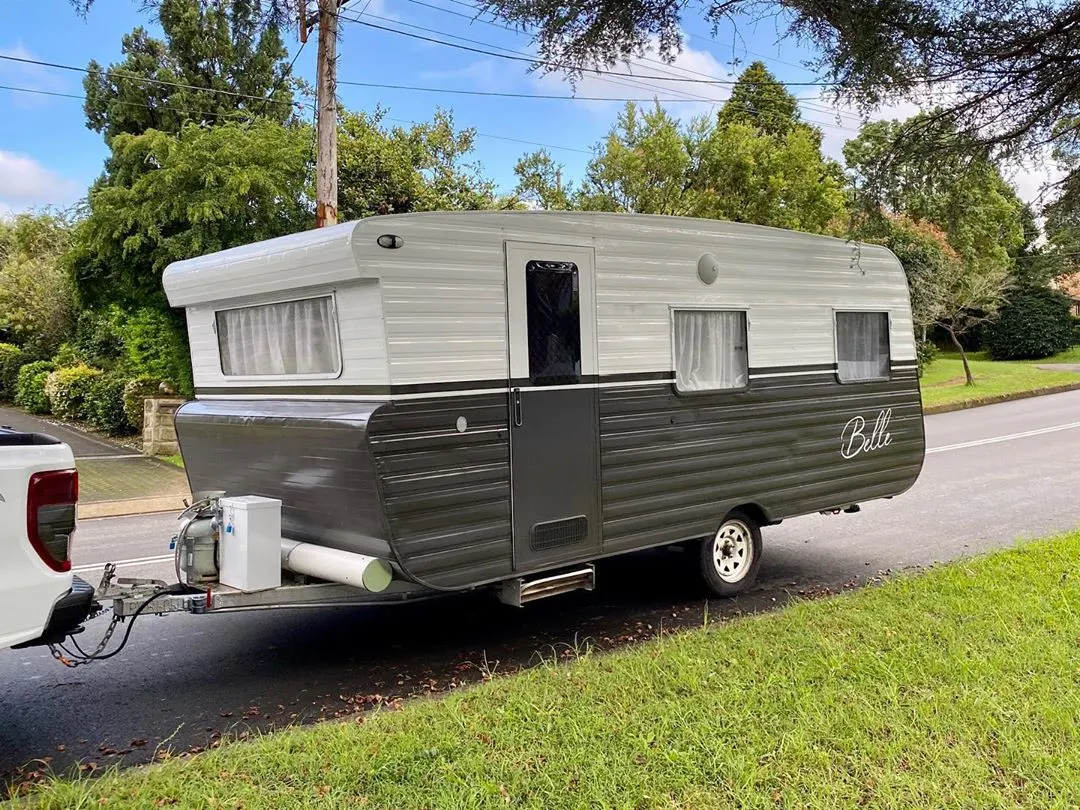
558 533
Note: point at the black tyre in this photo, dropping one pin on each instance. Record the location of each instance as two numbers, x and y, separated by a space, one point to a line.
730 559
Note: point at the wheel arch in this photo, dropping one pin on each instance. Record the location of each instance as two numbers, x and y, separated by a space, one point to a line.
754 511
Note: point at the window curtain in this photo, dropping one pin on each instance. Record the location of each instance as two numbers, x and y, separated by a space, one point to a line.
292 337
862 344
710 350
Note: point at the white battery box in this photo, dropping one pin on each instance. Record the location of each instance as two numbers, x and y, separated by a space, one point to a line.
249 551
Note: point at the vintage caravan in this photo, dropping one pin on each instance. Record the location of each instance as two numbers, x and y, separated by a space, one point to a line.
502 398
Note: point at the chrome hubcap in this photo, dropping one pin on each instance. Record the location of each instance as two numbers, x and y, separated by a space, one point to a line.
733 551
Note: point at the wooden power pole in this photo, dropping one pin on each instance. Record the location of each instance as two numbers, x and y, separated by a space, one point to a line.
326 177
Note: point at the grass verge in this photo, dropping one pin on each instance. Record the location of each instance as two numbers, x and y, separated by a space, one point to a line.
943 382
958 688
176 460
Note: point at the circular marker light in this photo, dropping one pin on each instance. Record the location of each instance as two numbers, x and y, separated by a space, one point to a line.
389 240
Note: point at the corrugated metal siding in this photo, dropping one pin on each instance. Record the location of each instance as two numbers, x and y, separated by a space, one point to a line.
446 494
363 340
444 291
672 466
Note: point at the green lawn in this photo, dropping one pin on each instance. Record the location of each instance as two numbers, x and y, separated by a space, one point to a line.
178 460
943 381
957 688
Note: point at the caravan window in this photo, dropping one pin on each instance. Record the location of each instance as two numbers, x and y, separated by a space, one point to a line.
289 338
862 346
710 350
552 306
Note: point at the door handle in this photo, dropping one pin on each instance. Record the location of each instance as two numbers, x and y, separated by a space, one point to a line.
516 405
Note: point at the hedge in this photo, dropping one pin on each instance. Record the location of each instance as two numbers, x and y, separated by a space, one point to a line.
30 386
68 390
11 360
104 405
1036 323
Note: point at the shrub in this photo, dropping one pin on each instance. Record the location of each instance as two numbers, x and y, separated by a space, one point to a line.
1076 330
1035 323
30 386
67 356
11 360
105 405
155 345
134 393
925 352
68 390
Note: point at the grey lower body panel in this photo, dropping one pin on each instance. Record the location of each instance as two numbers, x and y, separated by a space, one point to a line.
443 468
428 482
674 465
311 455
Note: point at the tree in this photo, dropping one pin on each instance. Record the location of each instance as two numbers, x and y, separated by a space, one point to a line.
1009 66
402 170
176 196
945 291
958 190
36 295
641 167
540 182
216 63
755 161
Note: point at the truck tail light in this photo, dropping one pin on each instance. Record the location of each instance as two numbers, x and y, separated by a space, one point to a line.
50 516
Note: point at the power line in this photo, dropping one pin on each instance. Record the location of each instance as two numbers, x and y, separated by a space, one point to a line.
506 138
147 80
634 82
245 115
237 114
690 71
558 66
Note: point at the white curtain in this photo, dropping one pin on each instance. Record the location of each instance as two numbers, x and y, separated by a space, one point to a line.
862 345
710 350
292 337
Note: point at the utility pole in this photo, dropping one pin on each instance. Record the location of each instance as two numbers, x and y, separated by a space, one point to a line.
326 183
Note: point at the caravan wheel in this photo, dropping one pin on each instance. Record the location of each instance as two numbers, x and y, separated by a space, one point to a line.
730 559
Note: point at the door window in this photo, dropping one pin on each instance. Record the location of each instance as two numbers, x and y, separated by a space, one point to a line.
552 297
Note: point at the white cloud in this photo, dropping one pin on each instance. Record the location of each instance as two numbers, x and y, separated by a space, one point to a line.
484 74
25 183
682 79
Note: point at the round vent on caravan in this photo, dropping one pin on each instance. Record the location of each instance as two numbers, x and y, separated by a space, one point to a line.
708 268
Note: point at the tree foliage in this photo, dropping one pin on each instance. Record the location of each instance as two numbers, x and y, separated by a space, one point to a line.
395 171
36 294
755 161
230 62
172 197
1007 66
963 194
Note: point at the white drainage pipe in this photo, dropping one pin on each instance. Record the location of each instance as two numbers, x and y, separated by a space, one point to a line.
345 567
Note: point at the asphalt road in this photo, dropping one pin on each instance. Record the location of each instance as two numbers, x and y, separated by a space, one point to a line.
992 475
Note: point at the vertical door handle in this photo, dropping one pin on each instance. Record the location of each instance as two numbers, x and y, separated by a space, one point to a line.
516 405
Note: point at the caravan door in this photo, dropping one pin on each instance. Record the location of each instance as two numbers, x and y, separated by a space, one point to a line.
554 403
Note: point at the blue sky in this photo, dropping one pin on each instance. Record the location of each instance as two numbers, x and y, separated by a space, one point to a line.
48 156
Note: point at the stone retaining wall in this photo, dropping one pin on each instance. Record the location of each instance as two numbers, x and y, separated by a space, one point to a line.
159 432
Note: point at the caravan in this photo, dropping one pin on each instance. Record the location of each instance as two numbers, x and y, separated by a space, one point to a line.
502 398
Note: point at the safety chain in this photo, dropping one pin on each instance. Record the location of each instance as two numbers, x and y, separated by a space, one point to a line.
58 654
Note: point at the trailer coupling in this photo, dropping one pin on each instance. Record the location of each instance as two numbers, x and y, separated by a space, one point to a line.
229 556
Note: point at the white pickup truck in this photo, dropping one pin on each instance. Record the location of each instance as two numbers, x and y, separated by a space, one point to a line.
41 601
